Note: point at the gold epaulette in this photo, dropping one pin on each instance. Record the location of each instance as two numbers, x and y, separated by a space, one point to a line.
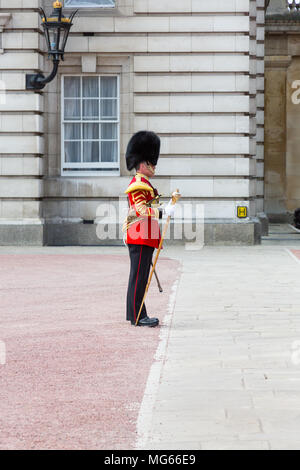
139 186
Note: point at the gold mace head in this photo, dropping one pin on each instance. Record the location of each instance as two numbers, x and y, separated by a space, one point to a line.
175 196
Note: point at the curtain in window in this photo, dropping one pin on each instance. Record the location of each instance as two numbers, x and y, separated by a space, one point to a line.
72 99
72 143
91 137
90 92
72 87
109 93
109 147
90 3
109 87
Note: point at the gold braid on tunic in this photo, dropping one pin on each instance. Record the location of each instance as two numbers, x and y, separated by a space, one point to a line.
141 208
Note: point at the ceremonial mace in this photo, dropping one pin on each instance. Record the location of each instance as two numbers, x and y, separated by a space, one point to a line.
156 198
157 280
175 196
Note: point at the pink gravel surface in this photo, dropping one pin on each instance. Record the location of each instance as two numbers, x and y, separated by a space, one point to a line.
296 253
76 371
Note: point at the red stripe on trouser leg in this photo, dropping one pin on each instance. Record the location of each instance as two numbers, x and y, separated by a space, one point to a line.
136 283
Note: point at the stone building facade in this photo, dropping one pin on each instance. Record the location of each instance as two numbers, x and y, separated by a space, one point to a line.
192 71
282 163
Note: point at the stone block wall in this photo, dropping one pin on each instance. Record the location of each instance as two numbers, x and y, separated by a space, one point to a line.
191 71
21 125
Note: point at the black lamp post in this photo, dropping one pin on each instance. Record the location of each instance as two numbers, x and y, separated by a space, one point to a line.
56 30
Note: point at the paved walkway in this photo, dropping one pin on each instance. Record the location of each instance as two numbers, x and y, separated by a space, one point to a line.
231 379
226 374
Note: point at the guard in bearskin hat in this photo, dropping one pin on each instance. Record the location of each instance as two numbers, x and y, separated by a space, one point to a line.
142 233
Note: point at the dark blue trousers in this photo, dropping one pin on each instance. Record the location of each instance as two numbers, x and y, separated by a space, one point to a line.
140 264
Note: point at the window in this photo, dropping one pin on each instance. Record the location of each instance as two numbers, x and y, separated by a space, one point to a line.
90 3
90 124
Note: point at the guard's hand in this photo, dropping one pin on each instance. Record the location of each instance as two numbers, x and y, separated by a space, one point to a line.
169 209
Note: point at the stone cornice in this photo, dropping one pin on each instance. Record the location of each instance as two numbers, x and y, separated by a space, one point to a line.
278 61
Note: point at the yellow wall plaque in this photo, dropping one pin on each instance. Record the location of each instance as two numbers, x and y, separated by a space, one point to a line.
242 212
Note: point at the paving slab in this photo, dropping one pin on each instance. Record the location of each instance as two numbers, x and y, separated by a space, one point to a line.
229 380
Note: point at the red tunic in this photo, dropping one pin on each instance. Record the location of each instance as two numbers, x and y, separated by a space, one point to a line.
146 230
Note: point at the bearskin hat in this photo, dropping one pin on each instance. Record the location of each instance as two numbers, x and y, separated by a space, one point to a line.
144 146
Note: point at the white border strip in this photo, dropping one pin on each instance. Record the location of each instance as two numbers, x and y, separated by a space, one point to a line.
292 255
144 421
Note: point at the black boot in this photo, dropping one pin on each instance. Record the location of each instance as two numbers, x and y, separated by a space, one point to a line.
147 322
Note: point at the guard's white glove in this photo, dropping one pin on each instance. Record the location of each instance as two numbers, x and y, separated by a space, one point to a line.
169 209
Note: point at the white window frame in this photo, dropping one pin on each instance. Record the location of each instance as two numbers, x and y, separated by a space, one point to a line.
92 6
73 168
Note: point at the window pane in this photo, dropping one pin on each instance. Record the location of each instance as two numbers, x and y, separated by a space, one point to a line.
91 151
89 3
90 102
90 110
109 87
72 152
72 131
72 87
72 110
109 109
109 131
90 87
109 152
90 131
